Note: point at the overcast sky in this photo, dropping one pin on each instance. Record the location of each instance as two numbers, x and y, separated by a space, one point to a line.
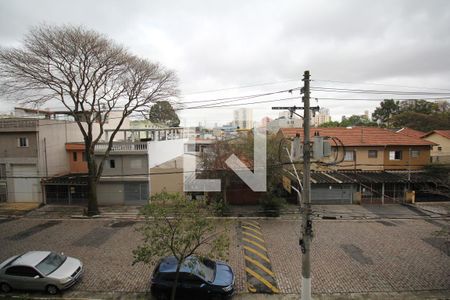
218 45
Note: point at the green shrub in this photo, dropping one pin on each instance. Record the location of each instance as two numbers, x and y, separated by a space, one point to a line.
272 204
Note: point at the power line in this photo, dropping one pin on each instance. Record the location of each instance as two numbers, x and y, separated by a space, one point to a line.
238 104
241 87
370 91
379 99
238 98
381 84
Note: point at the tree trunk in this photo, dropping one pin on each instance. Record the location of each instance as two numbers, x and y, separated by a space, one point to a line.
175 283
92 207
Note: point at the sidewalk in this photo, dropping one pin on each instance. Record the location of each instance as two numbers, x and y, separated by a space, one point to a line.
8 209
334 212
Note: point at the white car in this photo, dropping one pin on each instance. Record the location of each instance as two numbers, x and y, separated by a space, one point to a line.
41 271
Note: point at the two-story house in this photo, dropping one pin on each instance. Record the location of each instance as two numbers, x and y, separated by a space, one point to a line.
126 173
440 153
370 165
30 150
371 148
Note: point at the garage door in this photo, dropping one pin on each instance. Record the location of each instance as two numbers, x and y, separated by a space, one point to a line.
25 183
136 193
335 195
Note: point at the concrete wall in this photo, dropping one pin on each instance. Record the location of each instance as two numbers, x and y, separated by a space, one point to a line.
160 179
125 164
53 136
407 162
9 146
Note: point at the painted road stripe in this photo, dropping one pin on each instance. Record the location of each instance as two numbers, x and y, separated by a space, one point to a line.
262 256
256 263
253 225
253 222
262 280
252 229
254 243
253 236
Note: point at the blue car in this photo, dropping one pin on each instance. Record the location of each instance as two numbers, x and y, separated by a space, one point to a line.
199 278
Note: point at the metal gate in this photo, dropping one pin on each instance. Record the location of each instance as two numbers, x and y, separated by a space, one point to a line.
136 192
331 194
65 194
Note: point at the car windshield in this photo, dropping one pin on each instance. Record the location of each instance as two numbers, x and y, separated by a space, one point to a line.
51 263
203 269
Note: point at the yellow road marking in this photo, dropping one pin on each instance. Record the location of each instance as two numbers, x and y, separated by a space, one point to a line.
255 243
252 229
262 256
264 281
251 224
253 236
251 288
259 265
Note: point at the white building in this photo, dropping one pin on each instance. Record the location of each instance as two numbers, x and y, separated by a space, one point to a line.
323 116
283 122
243 118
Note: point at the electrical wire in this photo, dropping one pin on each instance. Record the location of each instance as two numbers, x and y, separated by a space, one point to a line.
238 104
379 84
241 87
367 91
245 97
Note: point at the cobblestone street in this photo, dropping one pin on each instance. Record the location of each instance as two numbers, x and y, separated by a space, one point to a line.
348 256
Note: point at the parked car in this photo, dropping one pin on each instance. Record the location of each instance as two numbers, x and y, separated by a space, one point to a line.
198 278
40 271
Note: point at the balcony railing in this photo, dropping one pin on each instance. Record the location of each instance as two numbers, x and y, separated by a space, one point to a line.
15 124
122 147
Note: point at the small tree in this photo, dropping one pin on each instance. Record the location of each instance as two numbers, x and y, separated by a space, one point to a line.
387 109
177 227
163 113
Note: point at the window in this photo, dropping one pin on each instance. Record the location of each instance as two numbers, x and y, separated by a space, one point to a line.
112 163
349 156
2 171
439 148
373 153
22 142
22 271
83 156
395 155
74 156
52 262
415 153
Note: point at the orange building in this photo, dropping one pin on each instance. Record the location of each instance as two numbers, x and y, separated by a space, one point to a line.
77 157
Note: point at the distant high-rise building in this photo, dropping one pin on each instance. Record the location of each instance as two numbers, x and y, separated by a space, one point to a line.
323 116
243 118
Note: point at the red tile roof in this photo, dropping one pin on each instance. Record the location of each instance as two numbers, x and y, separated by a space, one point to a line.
411 132
444 133
362 136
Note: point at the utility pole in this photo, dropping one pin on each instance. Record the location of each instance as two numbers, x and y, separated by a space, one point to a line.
305 241
306 229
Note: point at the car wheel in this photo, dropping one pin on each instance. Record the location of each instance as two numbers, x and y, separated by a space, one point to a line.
52 290
5 288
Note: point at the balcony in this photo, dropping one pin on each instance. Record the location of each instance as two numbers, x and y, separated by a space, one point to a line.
18 125
122 147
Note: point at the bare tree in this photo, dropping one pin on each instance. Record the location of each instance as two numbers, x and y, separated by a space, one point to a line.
91 76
